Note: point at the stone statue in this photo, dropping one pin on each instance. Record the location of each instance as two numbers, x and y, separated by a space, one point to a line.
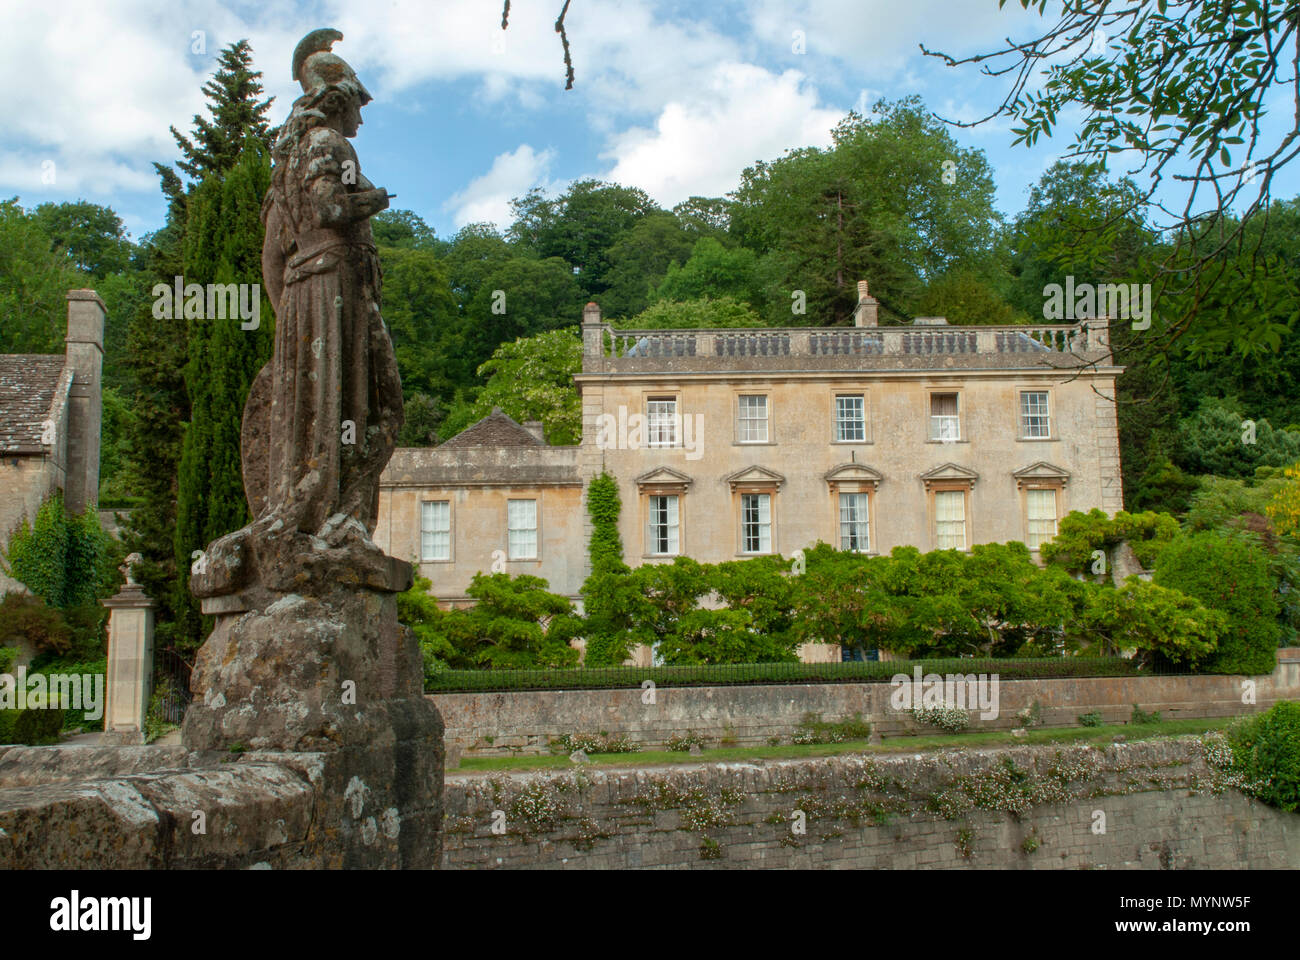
322 417
307 655
306 652
128 566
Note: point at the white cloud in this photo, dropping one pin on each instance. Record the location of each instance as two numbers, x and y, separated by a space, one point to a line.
740 114
486 199
879 39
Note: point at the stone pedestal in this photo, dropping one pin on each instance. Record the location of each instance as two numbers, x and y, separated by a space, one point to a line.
331 672
130 666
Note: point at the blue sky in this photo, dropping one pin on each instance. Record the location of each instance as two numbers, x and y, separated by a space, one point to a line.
674 97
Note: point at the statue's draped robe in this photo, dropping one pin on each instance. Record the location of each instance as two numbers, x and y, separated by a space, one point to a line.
333 376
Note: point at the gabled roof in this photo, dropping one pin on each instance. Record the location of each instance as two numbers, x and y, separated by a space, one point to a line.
495 430
31 387
755 474
949 471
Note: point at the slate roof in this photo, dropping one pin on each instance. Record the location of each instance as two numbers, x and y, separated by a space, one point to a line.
28 385
494 430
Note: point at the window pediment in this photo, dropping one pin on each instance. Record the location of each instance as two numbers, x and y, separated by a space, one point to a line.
858 473
755 477
1041 472
949 473
664 478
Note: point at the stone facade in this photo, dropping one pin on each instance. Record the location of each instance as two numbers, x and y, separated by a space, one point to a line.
473 478
50 414
734 443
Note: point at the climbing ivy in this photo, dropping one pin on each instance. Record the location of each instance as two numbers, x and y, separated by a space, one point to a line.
608 591
604 507
59 557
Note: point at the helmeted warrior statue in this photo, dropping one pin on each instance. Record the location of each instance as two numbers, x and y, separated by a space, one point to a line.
323 415
307 654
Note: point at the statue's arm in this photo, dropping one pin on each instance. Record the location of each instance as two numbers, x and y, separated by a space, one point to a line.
335 204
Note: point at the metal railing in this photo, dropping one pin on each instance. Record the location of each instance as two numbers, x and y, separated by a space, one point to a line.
171 677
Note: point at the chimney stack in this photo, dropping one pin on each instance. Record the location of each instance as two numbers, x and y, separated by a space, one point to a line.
535 428
593 345
85 357
866 313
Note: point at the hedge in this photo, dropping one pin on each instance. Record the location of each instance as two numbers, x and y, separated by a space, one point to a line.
603 678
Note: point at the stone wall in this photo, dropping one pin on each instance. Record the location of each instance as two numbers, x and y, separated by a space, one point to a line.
157 807
524 722
25 483
1151 805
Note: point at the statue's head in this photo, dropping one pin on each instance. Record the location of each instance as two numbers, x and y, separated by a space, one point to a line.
327 79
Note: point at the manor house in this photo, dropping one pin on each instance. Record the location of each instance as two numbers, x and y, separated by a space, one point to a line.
734 443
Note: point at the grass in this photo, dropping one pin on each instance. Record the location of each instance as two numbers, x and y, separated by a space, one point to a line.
1000 738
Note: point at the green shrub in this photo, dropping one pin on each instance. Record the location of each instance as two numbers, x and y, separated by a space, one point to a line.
30 727
1266 751
515 624
417 609
7 657
1231 577
604 678
1139 716
1092 719
29 619
1079 535
813 729
1162 625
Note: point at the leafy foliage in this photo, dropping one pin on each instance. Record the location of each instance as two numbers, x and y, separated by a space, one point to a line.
223 244
34 282
1266 752
529 379
1284 508
1079 535
604 506
1220 440
873 206
63 559
1159 624
1232 578
417 609
515 623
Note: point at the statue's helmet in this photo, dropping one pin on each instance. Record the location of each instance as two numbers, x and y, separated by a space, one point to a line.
317 69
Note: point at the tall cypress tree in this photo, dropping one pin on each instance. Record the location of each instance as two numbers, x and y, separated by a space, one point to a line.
236 112
223 245
159 350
